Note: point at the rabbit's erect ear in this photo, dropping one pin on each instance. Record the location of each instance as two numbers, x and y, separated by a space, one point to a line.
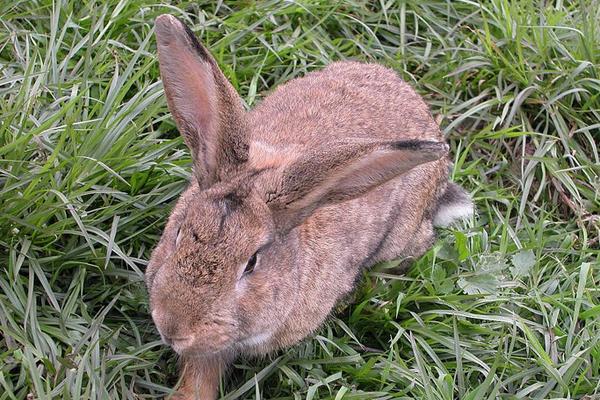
341 172
206 108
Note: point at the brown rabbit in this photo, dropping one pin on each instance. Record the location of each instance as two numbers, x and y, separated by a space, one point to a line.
330 174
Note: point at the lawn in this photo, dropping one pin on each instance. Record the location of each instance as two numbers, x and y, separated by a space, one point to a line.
505 306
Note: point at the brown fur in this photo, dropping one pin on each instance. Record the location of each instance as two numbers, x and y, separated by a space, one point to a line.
331 173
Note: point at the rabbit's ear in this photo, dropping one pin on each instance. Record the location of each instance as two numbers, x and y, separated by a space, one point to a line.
206 108
342 172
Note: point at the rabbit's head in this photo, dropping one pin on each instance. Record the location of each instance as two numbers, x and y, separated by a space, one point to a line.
199 272
225 272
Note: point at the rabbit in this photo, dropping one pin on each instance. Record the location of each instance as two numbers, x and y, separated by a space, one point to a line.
288 203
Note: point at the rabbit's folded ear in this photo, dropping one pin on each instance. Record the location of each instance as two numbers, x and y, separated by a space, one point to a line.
341 172
207 110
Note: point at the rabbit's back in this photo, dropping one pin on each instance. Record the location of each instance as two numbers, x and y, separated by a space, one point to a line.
357 100
346 99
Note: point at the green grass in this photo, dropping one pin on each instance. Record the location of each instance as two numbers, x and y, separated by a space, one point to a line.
505 307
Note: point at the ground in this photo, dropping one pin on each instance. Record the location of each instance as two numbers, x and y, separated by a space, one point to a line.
505 306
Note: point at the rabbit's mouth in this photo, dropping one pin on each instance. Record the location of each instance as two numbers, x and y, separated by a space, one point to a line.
187 345
255 341
192 345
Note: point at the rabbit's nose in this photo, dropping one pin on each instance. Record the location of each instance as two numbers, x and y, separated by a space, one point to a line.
170 331
167 340
165 325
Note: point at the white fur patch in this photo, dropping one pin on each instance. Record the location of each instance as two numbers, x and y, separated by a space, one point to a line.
449 213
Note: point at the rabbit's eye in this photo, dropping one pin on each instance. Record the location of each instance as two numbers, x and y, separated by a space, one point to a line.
251 264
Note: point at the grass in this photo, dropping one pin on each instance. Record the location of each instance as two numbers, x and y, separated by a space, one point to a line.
505 307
